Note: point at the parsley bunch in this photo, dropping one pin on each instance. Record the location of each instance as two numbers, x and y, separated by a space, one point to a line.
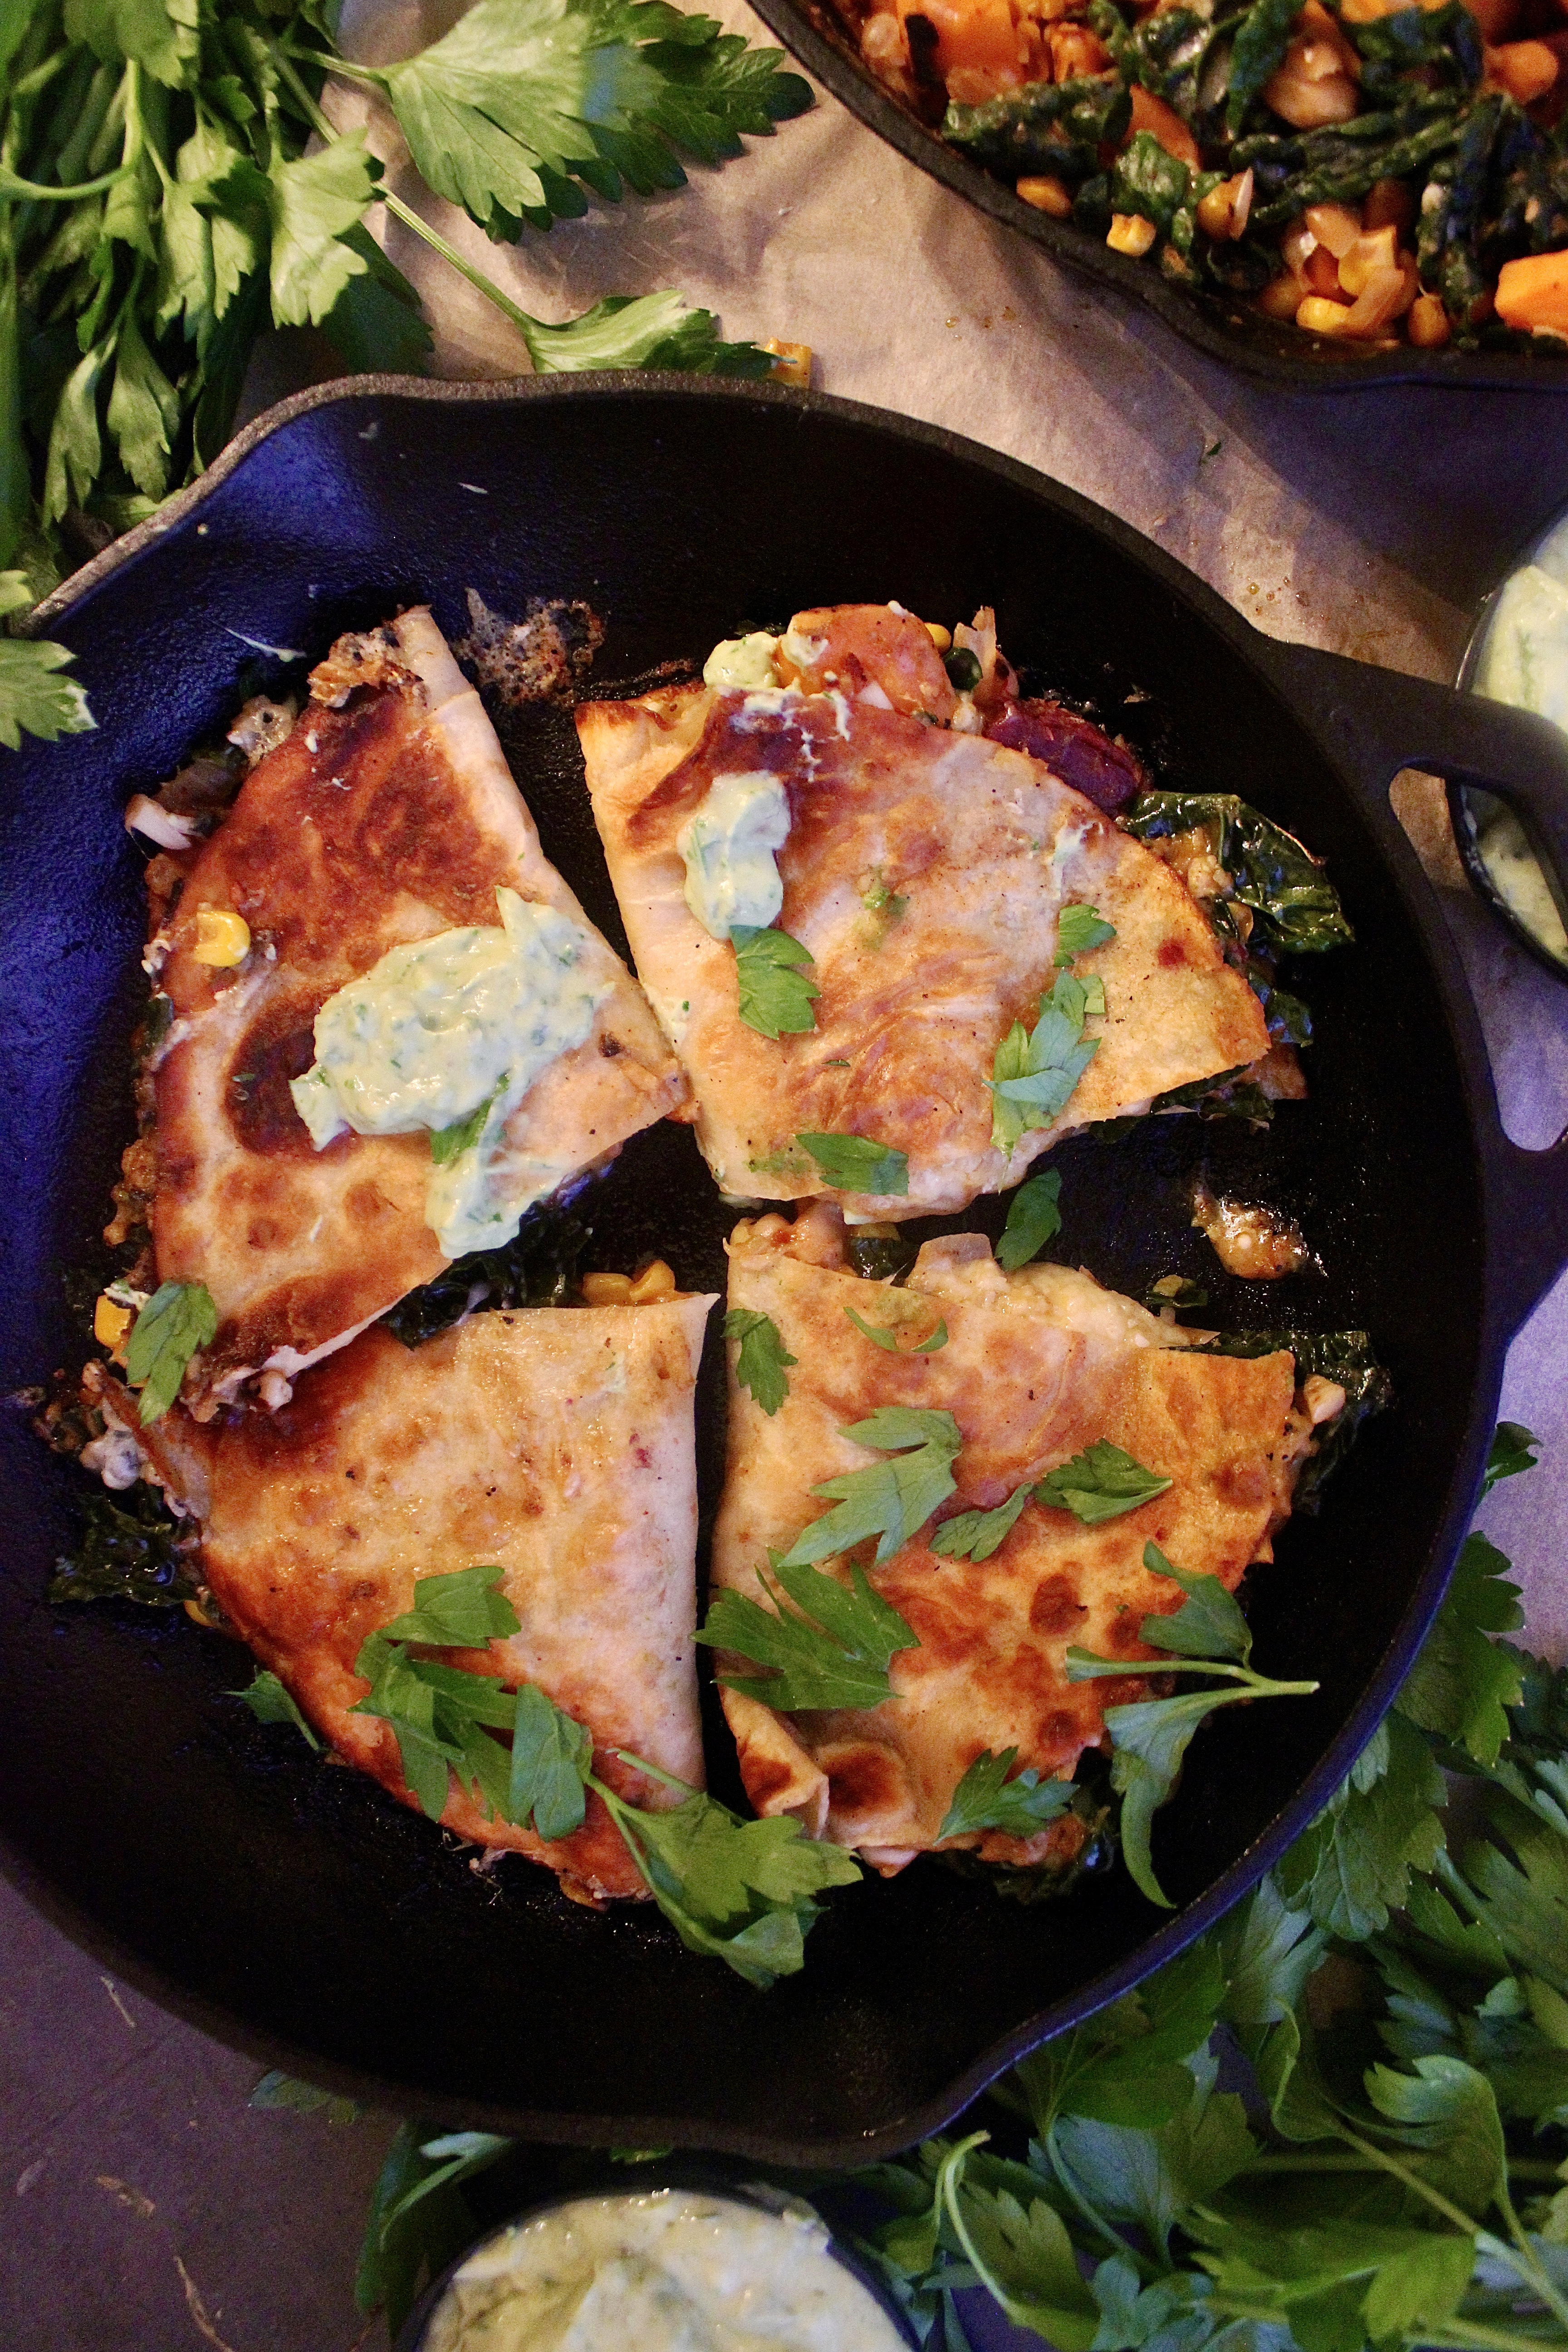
160 205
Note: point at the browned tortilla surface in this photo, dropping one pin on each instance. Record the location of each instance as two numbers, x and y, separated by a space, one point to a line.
1037 1367
555 1444
382 822
971 849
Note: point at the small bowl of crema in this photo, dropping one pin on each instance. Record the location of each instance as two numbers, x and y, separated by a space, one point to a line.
1517 654
660 2269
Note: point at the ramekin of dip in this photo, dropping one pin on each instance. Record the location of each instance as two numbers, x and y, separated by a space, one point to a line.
659 2270
1517 654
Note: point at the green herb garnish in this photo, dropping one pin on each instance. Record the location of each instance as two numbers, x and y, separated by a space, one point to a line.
1034 1071
975 1534
178 1319
271 1701
775 996
1078 931
986 1799
829 1649
449 1143
740 1891
886 1336
1034 1218
763 1360
889 1500
1148 1738
859 1163
34 700
1099 1483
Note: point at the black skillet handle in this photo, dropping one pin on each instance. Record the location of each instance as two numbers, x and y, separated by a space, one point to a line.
1379 723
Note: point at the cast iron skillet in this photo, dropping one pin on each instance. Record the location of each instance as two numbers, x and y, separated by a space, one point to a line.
1227 328
293 1909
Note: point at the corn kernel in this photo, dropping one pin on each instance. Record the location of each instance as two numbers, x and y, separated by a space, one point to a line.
607 1289
111 1321
1319 316
222 937
792 362
1047 194
1130 233
655 1281
1428 325
940 638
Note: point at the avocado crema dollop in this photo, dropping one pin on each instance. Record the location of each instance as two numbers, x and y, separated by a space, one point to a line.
449 1033
669 2270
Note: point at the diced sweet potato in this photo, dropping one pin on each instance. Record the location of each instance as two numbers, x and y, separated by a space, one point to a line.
974 33
1525 69
1532 293
1152 113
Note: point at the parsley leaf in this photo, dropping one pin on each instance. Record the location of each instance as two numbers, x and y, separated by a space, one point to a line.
1351 1868
522 98
462 1611
1150 1737
986 1799
738 1891
271 1701
1033 1072
1099 1483
1514 1449
831 1649
890 1500
1034 1218
643 331
859 1163
551 1754
313 203
178 1319
33 698
763 1361
1078 931
886 1336
775 998
449 1143
975 1534
1463 1682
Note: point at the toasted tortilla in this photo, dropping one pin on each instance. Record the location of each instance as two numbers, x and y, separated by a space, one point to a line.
387 815
1037 1367
971 849
555 1444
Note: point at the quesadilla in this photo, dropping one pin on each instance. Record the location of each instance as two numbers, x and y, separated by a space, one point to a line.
389 1027
555 1444
1036 1369
850 909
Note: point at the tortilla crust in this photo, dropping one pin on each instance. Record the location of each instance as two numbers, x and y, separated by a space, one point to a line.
985 845
381 821
555 1442
1036 1366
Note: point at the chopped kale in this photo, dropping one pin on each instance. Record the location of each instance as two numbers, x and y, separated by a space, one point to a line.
1295 907
132 1549
1342 1356
537 1268
1054 127
881 1258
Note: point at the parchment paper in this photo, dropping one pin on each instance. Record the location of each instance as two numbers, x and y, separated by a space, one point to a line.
1367 522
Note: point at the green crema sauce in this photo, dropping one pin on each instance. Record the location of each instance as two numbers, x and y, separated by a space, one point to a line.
669 2270
730 848
1524 661
454 1030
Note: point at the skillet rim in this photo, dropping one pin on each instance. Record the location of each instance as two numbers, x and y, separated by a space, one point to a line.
1271 660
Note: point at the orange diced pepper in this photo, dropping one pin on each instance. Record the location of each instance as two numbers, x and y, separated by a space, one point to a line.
1532 293
1152 113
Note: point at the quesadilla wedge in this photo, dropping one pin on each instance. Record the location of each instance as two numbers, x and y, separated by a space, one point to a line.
556 1445
388 1025
1026 1373
849 907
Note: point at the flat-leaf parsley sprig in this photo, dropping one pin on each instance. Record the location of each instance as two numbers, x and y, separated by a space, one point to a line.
159 208
824 1644
1034 1071
1209 1635
737 1891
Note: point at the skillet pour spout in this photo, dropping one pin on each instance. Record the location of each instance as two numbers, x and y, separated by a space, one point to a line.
290 1909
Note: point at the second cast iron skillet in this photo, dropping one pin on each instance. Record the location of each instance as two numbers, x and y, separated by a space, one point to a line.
295 1909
